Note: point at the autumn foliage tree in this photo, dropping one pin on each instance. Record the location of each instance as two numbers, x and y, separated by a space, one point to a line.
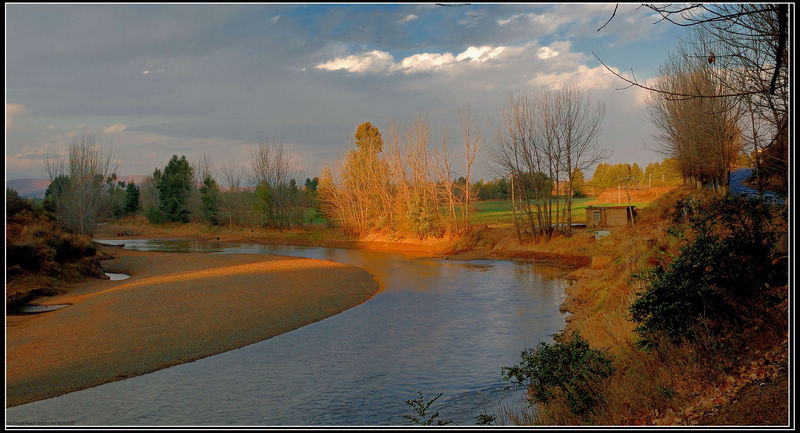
397 183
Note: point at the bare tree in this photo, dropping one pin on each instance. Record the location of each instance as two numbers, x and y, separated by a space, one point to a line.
703 134
272 167
472 143
148 196
746 49
203 167
442 167
520 151
86 167
232 197
576 124
543 139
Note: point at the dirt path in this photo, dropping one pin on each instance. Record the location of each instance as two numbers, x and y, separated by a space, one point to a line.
175 308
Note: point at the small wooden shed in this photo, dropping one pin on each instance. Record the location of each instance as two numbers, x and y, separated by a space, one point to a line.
610 216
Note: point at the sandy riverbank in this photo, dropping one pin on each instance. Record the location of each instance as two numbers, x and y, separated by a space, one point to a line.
175 308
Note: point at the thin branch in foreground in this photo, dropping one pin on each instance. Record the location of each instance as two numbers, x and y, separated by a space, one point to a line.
612 17
674 95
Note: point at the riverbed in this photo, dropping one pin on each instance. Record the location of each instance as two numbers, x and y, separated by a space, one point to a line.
436 326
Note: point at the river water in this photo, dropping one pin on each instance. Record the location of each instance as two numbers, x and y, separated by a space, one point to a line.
436 326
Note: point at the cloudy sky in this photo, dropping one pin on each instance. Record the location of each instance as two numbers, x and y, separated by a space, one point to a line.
156 80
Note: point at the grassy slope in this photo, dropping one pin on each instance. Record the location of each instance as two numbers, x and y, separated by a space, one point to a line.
42 259
679 384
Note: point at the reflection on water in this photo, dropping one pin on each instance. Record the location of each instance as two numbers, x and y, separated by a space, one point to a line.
34 309
436 326
117 277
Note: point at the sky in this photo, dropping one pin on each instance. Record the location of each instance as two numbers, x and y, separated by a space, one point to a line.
153 80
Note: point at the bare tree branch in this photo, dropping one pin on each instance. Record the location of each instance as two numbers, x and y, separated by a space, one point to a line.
612 17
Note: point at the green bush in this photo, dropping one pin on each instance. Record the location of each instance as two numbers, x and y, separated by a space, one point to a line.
425 219
16 204
569 367
154 216
720 277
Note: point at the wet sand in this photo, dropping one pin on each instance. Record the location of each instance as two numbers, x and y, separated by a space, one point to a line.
175 308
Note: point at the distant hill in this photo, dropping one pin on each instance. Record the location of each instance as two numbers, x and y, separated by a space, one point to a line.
29 187
36 187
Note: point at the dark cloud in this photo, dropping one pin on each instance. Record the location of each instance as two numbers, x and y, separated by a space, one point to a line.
219 77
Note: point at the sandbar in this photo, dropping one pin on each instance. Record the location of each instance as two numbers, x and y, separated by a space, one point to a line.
175 308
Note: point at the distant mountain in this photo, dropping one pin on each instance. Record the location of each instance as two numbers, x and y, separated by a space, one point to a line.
29 187
36 187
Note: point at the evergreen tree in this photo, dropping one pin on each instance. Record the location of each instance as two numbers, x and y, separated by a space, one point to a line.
174 188
210 196
131 198
263 203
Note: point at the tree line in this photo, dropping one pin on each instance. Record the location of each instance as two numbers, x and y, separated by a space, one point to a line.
266 195
84 188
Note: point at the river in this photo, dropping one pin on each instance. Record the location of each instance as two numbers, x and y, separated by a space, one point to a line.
435 326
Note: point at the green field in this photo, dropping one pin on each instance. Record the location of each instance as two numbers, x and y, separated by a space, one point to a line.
493 212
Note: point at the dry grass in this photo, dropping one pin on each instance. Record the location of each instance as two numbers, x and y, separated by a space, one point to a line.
637 195
41 259
674 383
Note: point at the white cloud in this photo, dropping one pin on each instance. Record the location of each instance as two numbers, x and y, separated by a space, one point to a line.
117 127
424 62
581 75
480 54
372 61
408 18
275 19
501 22
546 53
376 61
14 111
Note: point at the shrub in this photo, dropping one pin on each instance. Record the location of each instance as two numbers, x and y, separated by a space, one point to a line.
421 407
28 255
718 279
15 203
155 216
568 367
424 218
70 248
